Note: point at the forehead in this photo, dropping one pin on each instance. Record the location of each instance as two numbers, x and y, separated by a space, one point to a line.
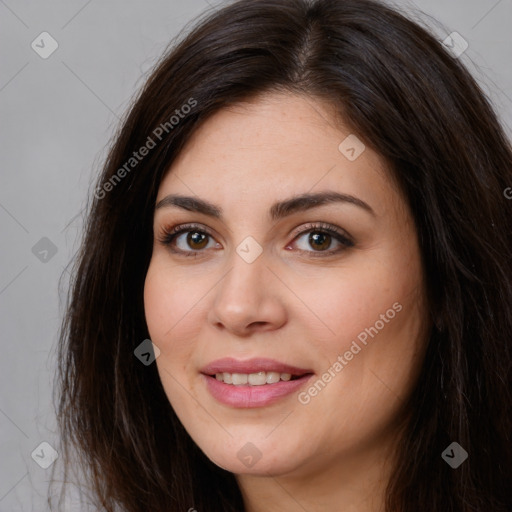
276 145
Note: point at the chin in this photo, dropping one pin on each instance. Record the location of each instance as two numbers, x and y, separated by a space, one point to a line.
246 457
275 467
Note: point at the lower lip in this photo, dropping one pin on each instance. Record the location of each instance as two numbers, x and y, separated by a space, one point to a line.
252 396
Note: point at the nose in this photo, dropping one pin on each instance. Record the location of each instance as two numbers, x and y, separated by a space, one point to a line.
248 299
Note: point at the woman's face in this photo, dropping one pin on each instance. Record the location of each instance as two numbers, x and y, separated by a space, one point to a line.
272 280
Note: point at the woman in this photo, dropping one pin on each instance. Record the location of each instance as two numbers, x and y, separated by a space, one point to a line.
294 291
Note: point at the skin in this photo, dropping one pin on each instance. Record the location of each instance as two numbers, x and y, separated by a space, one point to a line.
301 308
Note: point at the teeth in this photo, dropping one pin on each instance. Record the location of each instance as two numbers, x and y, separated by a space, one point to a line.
252 379
239 379
273 377
257 379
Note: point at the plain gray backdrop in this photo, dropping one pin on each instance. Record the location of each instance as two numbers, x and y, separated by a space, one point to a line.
58 115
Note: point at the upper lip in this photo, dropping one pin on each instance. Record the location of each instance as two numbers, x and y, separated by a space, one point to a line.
260 364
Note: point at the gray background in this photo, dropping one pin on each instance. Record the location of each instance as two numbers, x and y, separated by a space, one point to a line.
57 118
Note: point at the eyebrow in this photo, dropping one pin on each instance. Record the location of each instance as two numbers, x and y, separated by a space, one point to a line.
278 210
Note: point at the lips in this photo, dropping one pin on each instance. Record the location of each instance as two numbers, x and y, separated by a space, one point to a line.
242 394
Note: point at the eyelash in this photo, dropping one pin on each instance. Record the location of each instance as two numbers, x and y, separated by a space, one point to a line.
170 234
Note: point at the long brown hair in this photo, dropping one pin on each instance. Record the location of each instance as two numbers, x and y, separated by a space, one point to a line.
413 103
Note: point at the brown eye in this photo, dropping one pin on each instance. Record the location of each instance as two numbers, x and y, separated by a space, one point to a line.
320 241
188 240
197 240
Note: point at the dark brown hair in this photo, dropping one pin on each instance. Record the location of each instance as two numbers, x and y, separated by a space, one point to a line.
413 103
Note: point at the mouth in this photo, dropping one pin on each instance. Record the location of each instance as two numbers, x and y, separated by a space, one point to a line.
252 383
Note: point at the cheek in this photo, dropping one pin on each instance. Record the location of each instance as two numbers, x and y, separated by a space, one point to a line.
363 386
376 323
168 313
170 301
381 298
156 304
342 304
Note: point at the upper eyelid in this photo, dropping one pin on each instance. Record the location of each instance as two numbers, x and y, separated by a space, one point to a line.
320 225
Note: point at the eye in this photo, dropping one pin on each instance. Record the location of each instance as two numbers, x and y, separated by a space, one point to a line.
321 238
187 239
